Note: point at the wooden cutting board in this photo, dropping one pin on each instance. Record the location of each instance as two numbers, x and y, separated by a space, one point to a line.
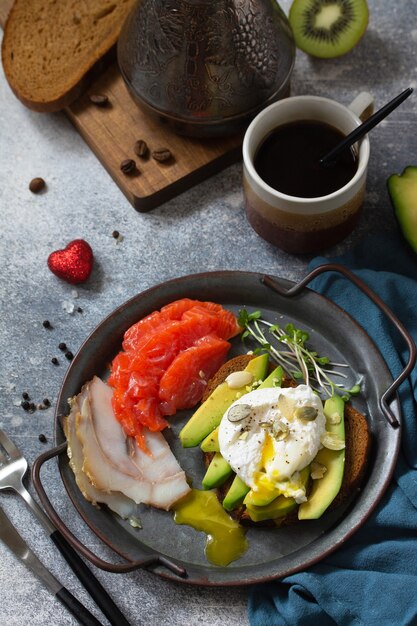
112 131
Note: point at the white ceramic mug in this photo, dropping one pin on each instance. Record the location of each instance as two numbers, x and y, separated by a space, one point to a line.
296 224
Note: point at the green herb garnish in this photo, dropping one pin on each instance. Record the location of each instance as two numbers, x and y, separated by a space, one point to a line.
287 346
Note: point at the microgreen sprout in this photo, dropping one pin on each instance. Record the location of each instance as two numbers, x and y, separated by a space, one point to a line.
288 347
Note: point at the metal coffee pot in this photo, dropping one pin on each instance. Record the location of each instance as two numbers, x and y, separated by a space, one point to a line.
206 67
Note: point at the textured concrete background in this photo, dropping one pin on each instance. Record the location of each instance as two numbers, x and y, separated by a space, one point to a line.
203 229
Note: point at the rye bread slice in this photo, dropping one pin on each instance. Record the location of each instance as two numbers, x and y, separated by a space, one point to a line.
357 451
50 46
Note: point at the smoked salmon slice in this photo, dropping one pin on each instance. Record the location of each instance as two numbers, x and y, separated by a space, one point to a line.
151 322
176 311
185 380
166 361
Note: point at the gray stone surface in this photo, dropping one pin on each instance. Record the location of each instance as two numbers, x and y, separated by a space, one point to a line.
203 229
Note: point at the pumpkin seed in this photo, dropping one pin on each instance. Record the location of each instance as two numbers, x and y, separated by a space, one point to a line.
280 436
286 407
334 418
238 412
331 441
280 426
306 413
317 470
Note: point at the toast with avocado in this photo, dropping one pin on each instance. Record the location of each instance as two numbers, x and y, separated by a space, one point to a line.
329 481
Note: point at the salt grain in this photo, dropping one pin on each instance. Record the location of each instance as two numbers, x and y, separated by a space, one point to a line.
69 307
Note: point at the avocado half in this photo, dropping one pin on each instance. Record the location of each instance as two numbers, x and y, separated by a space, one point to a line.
402 189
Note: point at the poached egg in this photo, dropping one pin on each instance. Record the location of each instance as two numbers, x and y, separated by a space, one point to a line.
268 436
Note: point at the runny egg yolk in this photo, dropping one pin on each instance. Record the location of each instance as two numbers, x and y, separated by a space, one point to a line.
266 481
267 484
262 480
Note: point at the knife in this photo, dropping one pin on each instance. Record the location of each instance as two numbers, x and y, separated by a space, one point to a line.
19 547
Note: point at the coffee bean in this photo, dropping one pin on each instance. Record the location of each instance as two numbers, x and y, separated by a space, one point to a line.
162 155
36 185
128 166
99 100
141 149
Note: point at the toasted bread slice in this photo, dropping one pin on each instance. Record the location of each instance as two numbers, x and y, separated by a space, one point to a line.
358 445
50 46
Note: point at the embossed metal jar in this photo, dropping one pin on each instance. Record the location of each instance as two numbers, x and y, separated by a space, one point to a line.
206 67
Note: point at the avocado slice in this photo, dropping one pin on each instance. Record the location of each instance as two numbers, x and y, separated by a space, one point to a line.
403 192
217 472
324 490
211 442
260 498
274 379
277 508
210 413
236 494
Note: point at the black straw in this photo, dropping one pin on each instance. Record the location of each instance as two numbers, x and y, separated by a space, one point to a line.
361 130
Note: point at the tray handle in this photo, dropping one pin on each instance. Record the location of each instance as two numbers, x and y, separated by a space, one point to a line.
118 568
335 267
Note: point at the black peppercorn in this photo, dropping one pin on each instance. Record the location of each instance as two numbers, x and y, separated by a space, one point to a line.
54 360
62 346
42 438
46 324
25 405
69 355
46 402
25 395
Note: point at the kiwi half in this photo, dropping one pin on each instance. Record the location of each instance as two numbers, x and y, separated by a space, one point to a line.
328 28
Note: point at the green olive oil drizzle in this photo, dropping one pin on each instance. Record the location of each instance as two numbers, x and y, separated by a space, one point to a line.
201 510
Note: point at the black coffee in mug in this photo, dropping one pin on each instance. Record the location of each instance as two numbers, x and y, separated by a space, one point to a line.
288 159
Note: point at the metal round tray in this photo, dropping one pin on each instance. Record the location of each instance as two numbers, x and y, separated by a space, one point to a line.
177 552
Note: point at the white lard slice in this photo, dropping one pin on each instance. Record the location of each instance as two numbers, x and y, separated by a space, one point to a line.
111 465
116 501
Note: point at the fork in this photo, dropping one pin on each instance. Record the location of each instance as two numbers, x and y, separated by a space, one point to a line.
13 467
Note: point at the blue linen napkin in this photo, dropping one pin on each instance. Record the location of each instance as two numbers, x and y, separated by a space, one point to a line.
372 579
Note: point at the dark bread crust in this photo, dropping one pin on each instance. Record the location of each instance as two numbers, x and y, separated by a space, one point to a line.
232 365
357 451
40 61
